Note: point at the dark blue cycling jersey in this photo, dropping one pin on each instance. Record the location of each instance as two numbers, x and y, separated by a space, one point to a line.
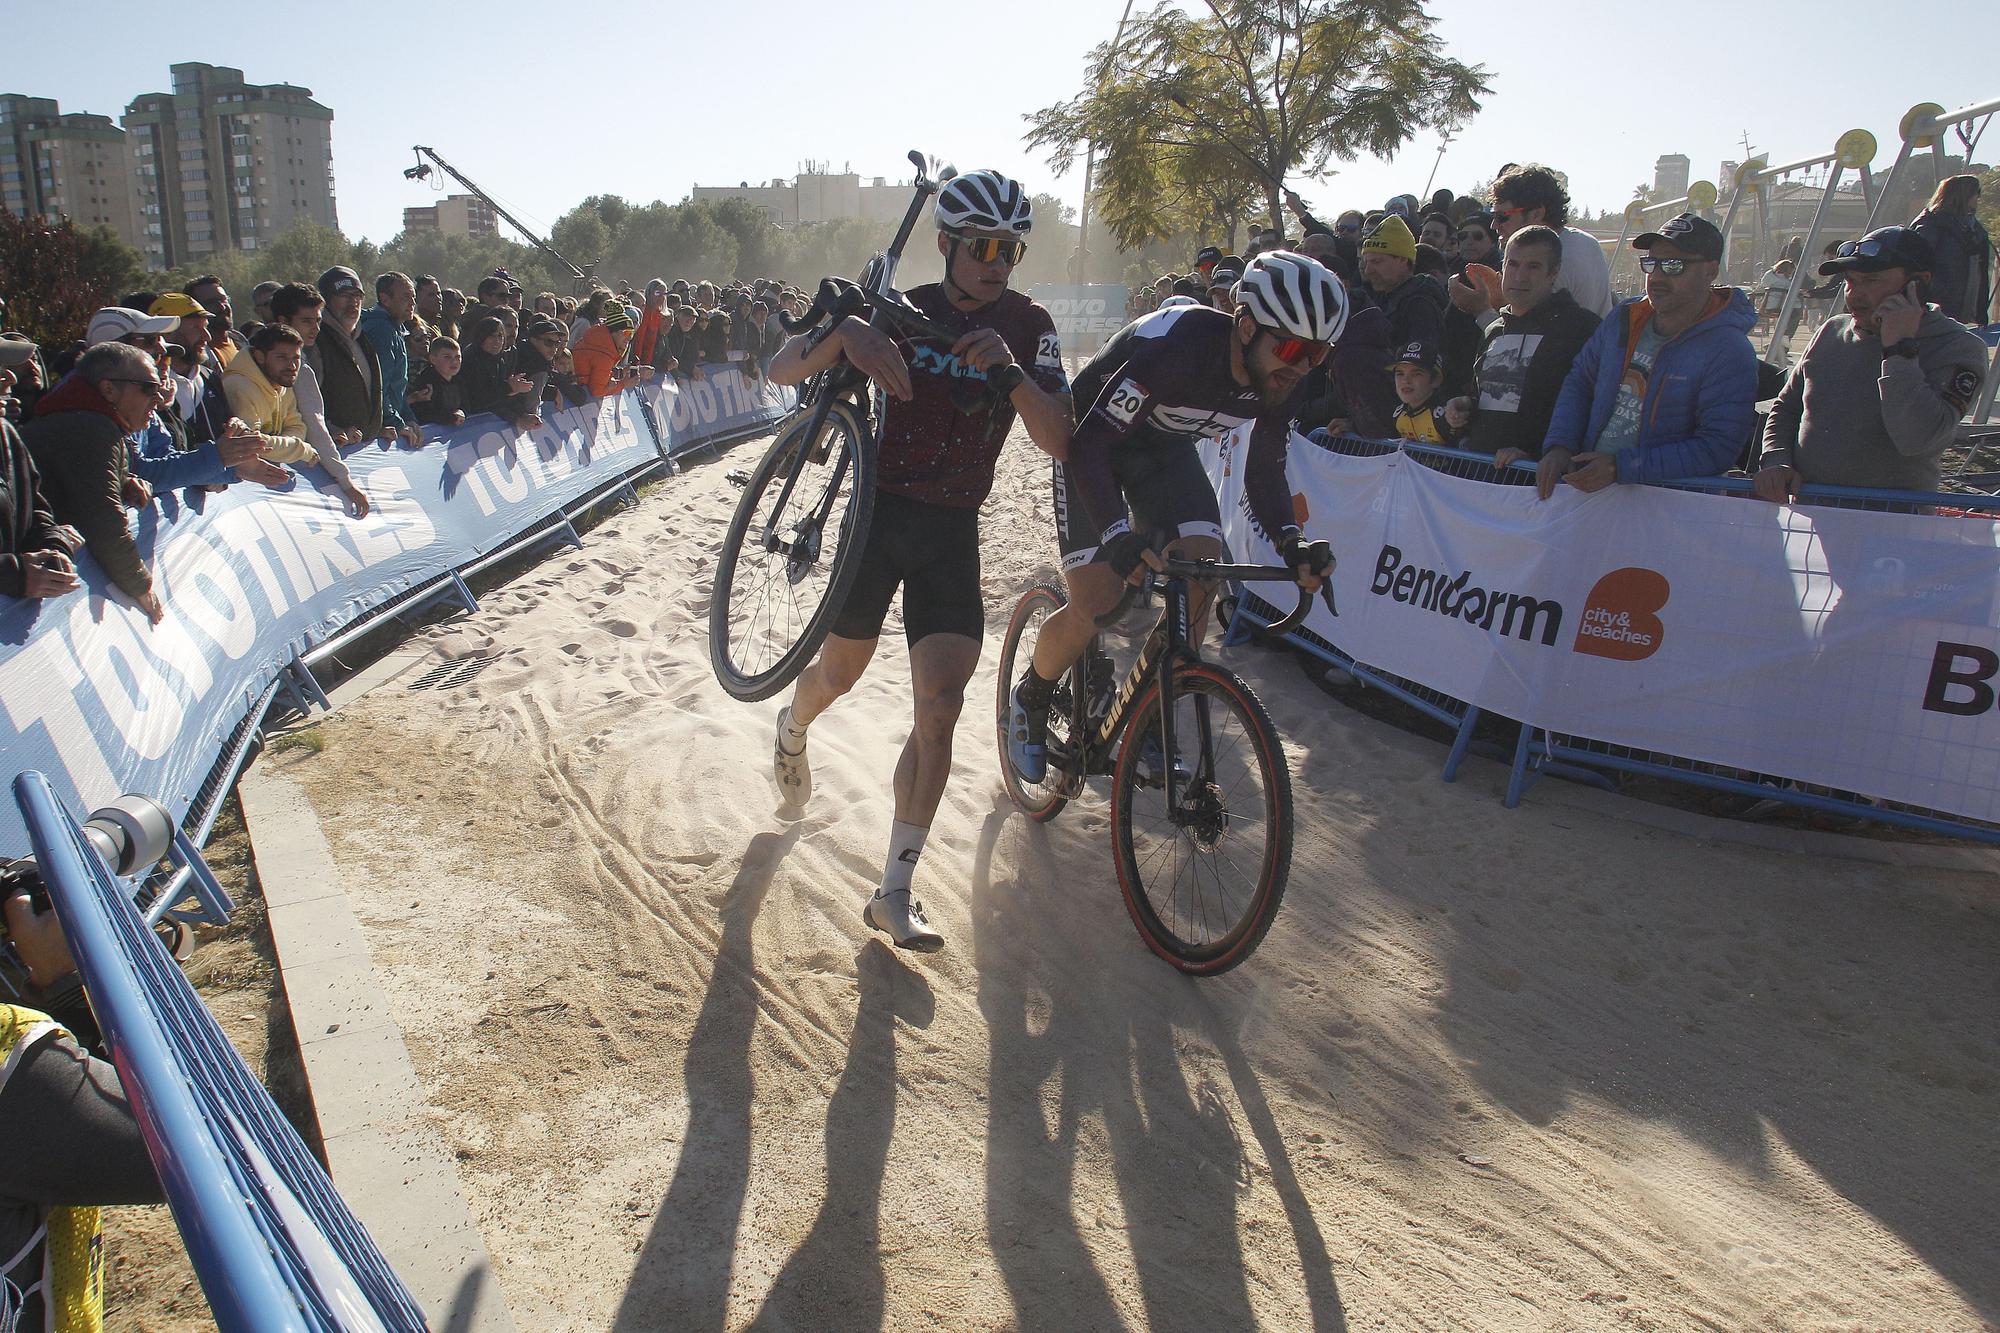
1164 381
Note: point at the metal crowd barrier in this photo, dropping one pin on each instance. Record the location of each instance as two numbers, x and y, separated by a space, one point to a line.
1538 752
275 1246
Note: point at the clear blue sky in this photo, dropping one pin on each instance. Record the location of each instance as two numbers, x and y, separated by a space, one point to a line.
1596 90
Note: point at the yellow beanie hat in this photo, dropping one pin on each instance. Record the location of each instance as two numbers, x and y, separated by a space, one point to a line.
1391 237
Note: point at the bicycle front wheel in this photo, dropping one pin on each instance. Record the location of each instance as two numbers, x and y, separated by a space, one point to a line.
1040 801
793 549
1204 876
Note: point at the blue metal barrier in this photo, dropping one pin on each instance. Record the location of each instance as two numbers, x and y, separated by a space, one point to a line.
1538 753
273 1243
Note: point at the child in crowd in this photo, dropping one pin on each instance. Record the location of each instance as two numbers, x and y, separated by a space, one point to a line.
445 403
1424 417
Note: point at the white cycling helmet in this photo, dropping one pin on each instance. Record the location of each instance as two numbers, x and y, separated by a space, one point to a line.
1294 296
986 201
1173 301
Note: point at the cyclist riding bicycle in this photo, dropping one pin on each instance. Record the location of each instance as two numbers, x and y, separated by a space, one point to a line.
1164 382
934 467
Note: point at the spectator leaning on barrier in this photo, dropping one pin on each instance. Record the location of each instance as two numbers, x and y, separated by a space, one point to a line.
259 385
1424 415
442 405
78 443
35 557
1667 386
1877 397
385 328
684 344
1961 267
162 454
602 349
301 309
350 377
1528 347
1524 196
490 382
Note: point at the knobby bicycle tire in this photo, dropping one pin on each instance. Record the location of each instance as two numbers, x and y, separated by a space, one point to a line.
735 654
1162 914
1044 801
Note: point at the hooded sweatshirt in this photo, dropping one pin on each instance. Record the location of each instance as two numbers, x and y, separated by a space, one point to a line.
79 447
269 410
1697 406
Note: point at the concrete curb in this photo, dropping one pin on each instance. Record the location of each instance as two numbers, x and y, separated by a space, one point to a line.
385 1158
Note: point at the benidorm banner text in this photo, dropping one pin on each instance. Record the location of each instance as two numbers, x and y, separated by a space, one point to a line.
1850 649
103 702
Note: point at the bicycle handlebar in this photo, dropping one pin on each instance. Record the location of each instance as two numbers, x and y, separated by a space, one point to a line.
1215 570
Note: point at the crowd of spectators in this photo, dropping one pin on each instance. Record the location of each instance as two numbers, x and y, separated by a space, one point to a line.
167 394
1491 325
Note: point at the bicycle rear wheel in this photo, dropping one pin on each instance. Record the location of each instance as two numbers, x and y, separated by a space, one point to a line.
1040 801
1203 880
792 551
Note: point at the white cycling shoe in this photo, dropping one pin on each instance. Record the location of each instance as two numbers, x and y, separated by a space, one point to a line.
792 770
901 917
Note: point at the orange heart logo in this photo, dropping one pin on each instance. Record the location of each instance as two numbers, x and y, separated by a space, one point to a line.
1301 511
1619 616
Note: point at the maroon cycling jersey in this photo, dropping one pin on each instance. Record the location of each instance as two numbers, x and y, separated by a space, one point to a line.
933 452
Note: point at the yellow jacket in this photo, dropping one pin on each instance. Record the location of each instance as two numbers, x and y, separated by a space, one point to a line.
72 1248
267 409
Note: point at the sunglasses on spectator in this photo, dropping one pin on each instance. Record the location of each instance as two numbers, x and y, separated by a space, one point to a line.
1299 351
1505 212
1472 234
1673 268
152 385
986 249
1346 228
1868 249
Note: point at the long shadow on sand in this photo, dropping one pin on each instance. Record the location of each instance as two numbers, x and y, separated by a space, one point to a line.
1740 996
834 1280
1085 1025
681 1280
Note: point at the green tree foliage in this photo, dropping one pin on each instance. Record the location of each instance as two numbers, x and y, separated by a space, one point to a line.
54 275
1201 111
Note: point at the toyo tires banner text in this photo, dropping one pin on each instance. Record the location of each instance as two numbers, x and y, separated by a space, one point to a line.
104 702
1845 648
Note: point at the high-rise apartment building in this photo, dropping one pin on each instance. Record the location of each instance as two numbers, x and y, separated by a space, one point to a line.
454 215
219 164
1670 175
55 166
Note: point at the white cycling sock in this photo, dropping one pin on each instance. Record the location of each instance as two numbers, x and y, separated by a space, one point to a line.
790 734
906 845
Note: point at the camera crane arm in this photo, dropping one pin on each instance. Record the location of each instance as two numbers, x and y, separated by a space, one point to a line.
419 171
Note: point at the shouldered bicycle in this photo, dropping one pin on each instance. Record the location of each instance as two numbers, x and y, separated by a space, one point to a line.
794 545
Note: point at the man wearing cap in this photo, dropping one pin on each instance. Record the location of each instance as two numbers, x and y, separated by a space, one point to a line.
1205 260
1413 302
1667 386
345 364
78 440
34 556
1877 397
386 329
1222 280
597 357
260 304
172 452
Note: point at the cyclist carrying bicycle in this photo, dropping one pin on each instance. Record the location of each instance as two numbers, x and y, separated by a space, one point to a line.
934 468
1164 382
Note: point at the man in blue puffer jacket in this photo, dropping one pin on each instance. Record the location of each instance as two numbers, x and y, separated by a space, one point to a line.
1667 386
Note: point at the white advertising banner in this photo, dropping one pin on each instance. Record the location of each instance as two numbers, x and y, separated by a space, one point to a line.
1849 649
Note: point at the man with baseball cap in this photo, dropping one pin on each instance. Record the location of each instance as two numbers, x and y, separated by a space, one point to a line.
1667 386
1878 395
344 362
115 323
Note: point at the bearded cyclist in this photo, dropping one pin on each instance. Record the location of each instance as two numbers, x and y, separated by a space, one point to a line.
1164 382
933 468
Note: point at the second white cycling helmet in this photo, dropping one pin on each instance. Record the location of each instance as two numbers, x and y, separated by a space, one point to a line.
985 201
1294 296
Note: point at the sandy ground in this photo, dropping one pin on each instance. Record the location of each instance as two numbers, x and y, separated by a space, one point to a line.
1499 1070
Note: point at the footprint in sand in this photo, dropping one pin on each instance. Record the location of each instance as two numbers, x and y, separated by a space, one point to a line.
624 629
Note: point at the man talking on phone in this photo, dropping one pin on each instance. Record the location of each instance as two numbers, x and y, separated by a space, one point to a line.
1667 386
1877 398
